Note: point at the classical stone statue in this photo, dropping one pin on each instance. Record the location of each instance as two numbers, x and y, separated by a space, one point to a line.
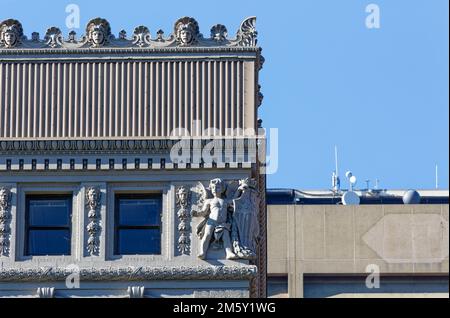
245 227
216 226
11 33
231 217
186 31
98 32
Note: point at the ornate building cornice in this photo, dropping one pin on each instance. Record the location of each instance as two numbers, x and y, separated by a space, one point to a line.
185 37
130 273
36 147
118 146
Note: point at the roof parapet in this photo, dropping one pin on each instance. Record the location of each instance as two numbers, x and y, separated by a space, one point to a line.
186 33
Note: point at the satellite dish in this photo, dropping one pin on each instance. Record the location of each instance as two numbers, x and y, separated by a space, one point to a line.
353 180
350 198
348 174
411 197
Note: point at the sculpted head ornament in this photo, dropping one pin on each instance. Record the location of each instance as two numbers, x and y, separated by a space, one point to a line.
217 187
182 195
98 32
186 31
247 183
92 194
4 198
11 33
93 198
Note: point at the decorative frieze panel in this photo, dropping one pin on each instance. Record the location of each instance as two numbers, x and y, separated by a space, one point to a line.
41 274
93 228
118 146
5 217
186 33
183 214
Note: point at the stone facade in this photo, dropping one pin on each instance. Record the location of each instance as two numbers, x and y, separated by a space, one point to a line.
99 116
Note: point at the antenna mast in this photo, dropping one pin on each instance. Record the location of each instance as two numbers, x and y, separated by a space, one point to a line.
437 178
336 160
336 182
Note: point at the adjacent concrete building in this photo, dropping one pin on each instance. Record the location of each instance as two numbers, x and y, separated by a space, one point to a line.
318 247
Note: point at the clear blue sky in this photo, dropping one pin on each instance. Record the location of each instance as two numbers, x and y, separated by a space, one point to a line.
380 95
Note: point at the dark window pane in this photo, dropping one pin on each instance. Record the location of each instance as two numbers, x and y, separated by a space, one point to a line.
49 242
139 212
139 241
49 212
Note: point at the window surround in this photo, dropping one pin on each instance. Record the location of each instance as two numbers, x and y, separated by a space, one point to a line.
118 227
29 227
47 189
163 189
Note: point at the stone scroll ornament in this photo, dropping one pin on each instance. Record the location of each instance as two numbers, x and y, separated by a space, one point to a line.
5 202
53 37
229 212
247 34
93 228
184 241
186 33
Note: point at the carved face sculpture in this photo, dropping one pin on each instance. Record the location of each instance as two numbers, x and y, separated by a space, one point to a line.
243 185
185 34
11 33
4 195
98 32
92 196
10 38
186 31
97 37
182 195
217 187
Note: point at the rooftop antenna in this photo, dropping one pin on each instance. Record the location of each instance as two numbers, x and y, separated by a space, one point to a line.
336 182
336 160
437 177
350 197
352 179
